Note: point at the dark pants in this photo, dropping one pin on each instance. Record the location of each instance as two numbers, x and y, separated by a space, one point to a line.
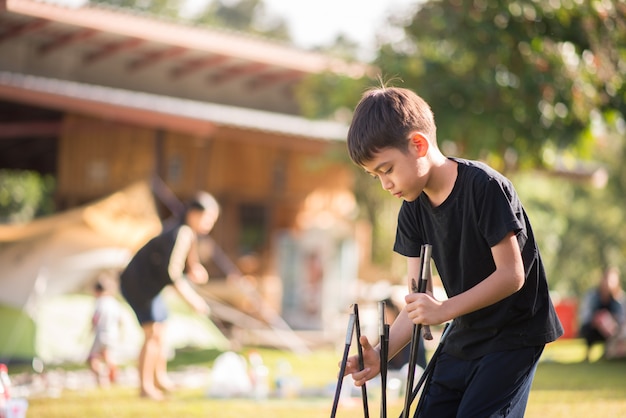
495 385
591 335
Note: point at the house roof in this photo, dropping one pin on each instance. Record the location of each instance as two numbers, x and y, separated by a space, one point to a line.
125 66
121 48
184 115
37 15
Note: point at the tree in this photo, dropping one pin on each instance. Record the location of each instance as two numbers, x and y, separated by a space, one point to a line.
505 76
525 85
248 16
25 195
533 84
163 8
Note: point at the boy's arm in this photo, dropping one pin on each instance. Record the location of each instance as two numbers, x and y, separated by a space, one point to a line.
400 333
507 279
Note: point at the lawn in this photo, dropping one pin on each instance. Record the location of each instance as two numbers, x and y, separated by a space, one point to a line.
564 387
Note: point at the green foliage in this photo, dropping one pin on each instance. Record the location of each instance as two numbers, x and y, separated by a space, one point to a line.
249 16
579 223
163 8
25 195
328 95
512 75
523 85
245 15
576 240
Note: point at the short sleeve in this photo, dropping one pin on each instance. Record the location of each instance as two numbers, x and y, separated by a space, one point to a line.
408 237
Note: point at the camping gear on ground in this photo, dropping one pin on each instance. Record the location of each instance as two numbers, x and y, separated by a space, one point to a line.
10 407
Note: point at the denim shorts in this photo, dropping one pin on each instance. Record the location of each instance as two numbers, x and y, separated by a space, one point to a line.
153 310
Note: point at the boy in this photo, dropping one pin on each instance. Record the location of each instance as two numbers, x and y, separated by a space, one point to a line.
484 250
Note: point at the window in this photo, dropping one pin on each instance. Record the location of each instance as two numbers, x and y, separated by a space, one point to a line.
253 219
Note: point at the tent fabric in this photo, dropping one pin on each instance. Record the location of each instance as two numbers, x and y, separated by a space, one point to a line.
59 253
17 339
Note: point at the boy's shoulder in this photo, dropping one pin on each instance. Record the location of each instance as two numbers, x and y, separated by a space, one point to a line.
473 167
478 171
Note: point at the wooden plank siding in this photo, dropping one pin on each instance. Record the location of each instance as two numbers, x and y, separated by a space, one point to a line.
97 157
186 163
251 173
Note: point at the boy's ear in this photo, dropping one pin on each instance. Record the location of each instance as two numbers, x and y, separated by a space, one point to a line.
420 142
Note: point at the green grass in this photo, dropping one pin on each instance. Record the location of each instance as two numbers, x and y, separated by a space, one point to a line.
564 387
567 387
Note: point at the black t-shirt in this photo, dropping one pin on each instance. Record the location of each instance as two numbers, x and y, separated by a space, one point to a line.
147 272
481 210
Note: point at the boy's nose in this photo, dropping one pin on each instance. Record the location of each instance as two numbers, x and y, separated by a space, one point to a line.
386 183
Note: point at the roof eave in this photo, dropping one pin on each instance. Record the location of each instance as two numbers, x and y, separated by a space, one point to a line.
162 112
184 36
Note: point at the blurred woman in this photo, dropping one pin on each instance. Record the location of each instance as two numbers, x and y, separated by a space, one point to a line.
165 260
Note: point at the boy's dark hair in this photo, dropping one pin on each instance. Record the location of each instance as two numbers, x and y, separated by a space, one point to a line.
384 118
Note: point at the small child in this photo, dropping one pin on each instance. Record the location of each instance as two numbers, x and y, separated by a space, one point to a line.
106 322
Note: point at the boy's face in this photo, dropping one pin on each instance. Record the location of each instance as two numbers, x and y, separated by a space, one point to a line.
404 175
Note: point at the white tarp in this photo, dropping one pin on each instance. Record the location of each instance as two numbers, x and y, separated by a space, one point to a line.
59 254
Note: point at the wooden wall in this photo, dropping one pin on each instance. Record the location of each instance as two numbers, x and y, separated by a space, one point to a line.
246 170
98 157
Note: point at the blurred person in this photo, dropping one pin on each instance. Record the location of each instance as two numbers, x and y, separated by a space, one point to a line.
165 260
106 323
602 310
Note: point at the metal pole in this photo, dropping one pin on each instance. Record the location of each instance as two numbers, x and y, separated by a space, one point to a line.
366 412
344 361
419 287
428 372
384 357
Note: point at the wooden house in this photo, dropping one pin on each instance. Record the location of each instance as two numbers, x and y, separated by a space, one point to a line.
101 98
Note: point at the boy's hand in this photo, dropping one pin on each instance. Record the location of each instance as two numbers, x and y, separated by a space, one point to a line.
371 363
423 309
